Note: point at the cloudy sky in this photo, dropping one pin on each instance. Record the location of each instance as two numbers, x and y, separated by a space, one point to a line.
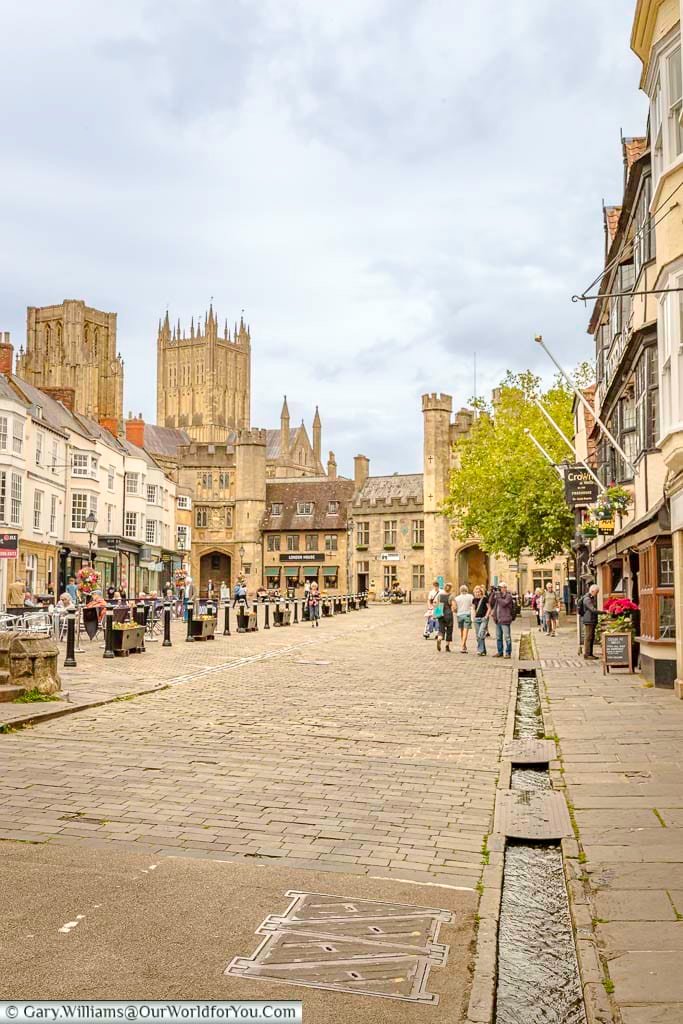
384 186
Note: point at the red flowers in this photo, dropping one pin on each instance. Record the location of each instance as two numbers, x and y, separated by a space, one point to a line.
619 605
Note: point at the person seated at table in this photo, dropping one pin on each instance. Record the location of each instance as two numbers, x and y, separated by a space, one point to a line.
65 603
97 601
261 594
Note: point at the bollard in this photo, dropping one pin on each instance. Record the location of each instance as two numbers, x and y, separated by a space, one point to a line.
255 610
190 615
140 619
226 622
108 631
288 611
241 618
266 624
410 597
296 610
167 624
70 660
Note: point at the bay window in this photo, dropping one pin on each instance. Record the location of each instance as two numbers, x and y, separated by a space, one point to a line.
656 581
665 89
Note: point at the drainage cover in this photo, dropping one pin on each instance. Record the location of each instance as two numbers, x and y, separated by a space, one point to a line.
348 945
530 751
532 814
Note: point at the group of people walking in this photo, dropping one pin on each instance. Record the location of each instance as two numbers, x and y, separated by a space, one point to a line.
546 604
472 611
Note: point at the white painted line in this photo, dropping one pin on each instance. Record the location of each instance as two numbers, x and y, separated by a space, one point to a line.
66 928
412 881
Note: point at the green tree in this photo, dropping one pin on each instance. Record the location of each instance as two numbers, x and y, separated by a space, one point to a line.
503 490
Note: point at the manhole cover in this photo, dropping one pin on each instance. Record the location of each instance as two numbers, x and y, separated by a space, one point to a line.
348 945
530 751
532 814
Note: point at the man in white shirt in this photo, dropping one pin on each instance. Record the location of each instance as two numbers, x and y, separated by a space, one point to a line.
463 610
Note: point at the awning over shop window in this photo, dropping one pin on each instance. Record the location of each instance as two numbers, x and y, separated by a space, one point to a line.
294 571
311 570
272 570
330 570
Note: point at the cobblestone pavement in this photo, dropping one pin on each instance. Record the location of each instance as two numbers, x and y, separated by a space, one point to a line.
353 748
621 761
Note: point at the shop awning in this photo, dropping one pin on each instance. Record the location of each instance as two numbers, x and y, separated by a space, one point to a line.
292 570
272 570
311 570
655 523
330 570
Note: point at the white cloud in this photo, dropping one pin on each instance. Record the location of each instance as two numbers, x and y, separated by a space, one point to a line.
384 187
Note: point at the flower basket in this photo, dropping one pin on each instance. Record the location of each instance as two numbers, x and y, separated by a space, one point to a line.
589 531
87 579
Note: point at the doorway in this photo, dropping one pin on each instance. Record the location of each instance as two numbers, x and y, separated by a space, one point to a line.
215 566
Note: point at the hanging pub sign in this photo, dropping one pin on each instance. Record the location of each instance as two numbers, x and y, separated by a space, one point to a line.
605 527
9 543
580 490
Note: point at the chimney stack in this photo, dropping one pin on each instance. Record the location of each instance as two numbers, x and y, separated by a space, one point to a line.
135 430
331 466
6 354
361 470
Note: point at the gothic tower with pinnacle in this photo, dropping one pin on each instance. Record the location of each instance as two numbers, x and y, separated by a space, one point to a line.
204 378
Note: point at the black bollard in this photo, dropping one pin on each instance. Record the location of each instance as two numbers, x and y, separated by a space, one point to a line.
296 610
70 660
266 624
288 614
226 623
190 615
255 609
140 619
167 624
108 631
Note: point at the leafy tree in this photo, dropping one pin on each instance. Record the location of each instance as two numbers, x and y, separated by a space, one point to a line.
503 490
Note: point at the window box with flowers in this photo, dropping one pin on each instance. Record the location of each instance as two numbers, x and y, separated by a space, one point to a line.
361 547
389 547
417 546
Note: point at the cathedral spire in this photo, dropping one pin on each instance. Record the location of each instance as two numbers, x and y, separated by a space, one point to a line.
284 429
317 435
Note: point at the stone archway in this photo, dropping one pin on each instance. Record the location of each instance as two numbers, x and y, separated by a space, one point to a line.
217 566
473 566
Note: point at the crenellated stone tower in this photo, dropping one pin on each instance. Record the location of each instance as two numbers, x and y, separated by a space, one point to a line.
204 378
71 347
438 544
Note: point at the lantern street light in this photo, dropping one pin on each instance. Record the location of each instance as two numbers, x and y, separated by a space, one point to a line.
91 526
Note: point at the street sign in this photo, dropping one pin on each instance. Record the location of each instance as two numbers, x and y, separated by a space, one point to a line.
580 490
605 527
9 542
385 556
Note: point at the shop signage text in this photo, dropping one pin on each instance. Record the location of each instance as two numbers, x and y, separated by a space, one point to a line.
9 543
580 490
308 556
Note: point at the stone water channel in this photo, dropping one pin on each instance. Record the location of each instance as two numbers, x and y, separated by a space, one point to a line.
538 977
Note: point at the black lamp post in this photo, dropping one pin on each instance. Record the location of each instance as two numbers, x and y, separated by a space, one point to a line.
91 526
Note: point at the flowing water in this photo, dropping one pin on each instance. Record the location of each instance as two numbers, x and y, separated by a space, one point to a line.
538 978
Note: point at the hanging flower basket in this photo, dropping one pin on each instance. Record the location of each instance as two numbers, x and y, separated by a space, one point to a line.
87 579
589 531
179 577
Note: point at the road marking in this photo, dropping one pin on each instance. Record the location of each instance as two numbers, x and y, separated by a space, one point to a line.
66 928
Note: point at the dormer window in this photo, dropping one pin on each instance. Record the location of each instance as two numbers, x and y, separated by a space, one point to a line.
276 508
333 508
304 508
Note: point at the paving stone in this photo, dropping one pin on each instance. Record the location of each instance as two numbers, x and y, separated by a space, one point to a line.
634 905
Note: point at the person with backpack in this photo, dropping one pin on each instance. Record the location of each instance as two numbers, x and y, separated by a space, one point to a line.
443 613
502 609
587 608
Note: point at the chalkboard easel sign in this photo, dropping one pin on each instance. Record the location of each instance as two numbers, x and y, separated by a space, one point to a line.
617 651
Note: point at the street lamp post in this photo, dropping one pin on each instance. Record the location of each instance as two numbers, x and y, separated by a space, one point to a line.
91 526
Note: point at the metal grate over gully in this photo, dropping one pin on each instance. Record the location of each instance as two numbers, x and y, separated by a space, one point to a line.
532 814
347 945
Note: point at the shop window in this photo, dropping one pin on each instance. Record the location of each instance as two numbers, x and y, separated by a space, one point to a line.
656 579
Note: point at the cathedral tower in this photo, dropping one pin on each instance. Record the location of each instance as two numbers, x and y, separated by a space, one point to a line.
72 347
204 378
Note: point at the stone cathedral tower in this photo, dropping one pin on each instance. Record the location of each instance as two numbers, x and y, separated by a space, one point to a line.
204 378
71 353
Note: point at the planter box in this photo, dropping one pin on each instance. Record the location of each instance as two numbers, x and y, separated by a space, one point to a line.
203 629
123 641
282 616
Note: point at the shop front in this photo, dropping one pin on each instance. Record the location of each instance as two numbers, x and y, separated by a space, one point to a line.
71 558
123 565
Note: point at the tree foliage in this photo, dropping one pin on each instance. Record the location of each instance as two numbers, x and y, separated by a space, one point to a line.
503 490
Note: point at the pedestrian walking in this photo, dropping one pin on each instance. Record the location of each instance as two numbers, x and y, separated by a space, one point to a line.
188 595
443 613
480 611
537 606
551 609
430 622
502 611
225 593
312 600
463 609
588 608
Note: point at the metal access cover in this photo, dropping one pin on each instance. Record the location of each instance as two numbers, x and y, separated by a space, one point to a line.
532 814
348 945
530 751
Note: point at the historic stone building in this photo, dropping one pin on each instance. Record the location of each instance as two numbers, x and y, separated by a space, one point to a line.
71 348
